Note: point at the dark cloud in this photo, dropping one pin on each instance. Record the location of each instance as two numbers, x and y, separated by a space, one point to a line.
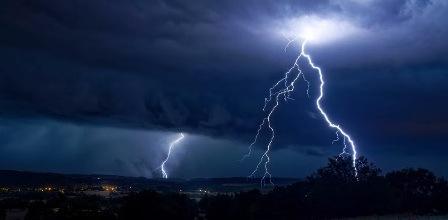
42 145
204 66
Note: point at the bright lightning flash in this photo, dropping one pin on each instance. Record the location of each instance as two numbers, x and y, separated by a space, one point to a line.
281 90
172 145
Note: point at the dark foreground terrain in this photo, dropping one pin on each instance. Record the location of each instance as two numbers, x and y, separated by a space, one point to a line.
332 192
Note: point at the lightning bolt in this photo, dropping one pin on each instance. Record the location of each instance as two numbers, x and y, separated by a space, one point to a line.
272 102
331 124
172 145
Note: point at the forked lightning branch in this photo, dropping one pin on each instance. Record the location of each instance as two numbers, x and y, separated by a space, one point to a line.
281 90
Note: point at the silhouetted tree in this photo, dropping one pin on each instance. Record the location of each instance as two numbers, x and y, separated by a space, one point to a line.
440 196
340 170
338 190
417 189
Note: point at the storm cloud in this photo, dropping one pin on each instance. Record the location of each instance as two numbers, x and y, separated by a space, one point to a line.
204 67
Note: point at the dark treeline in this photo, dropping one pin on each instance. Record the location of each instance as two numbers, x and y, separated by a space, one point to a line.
335 191
331 192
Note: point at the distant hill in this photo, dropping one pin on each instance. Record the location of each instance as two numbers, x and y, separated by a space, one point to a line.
35 179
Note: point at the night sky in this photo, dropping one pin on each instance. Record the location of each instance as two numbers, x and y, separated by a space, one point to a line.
102 86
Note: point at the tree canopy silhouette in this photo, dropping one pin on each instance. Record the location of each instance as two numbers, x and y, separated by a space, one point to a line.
335 191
